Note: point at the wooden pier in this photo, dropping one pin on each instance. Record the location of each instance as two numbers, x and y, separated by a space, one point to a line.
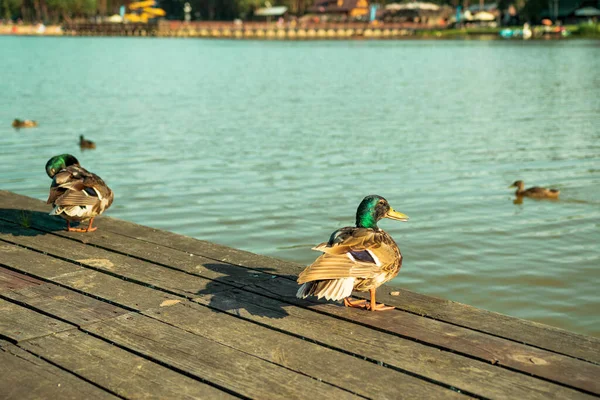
134 312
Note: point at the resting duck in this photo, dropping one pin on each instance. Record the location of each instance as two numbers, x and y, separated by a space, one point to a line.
86 144
17 123
355 258
76 194
535 192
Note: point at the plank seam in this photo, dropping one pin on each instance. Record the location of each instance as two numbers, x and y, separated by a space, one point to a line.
42 229
72 373
82 329
287 278
274 296
444 349
250 354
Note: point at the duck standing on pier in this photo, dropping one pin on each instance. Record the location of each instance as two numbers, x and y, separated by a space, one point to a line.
534 192
76 194
355 258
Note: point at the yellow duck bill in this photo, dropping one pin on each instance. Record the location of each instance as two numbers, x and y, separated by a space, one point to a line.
395 215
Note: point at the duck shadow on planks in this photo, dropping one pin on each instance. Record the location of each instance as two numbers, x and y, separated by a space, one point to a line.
20 222
252 295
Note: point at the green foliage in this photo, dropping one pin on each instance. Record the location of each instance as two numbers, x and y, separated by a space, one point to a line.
587 30
245 7
10 8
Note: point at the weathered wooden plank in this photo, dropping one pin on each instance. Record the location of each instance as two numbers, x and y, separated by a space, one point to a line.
290 352
463 373
548 365
539 335
293 353
19 323
551 366
114 263
214 362
119 371
117 290
10 280
24 376
75 249
308 358
261 284
60 302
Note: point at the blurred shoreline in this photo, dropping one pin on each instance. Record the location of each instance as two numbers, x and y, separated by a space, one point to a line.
231 30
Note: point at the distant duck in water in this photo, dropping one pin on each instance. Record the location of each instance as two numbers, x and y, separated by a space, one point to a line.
534 192
17 123
86 144
76 194
355 258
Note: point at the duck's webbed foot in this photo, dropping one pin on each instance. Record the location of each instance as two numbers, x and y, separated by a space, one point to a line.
90 228
373 306
355 303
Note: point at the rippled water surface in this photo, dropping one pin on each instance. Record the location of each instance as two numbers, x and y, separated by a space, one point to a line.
270 146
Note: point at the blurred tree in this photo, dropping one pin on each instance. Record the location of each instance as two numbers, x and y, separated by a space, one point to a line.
10 8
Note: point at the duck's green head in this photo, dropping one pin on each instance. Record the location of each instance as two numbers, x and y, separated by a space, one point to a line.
372 209
57 163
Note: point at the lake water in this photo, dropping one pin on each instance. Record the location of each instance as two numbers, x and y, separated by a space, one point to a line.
270 146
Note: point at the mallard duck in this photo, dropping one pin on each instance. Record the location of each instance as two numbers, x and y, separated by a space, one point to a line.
86 144
76 194
17 123
355 258
535 192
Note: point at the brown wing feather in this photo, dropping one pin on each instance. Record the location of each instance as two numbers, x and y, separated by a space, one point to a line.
73 198
334 266
75 186
336 263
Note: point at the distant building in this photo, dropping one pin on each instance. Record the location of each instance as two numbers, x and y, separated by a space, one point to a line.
345 9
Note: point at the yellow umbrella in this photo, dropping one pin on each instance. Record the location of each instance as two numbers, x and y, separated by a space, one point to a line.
154 12
141 4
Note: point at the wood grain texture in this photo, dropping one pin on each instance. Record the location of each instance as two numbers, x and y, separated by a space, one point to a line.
119 371
555 367
24 376
463 373
63 303
528 332
97 258
19 323
95 283
206 359
124 264
10 280
541 363
298 355
272 346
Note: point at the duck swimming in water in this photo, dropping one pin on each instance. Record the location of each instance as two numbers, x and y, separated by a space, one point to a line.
360 257
76 194
534 192
17 123
86 144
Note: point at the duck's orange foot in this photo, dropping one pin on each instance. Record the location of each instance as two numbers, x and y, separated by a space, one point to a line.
90 228
355 304
379 307
81 230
